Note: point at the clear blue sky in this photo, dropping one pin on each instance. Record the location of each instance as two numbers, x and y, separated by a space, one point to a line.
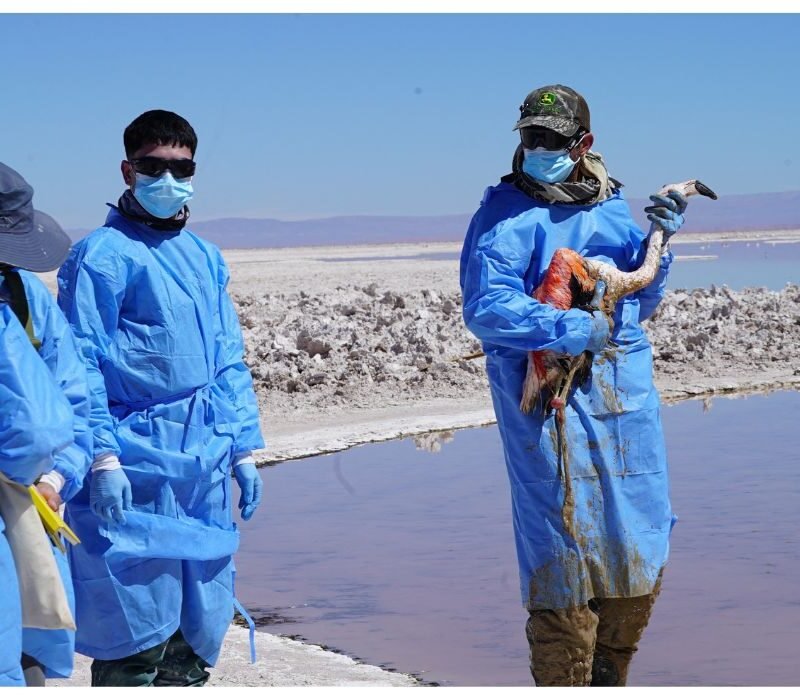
301 116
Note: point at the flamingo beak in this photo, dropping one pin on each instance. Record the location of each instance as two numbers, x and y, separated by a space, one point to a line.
705 190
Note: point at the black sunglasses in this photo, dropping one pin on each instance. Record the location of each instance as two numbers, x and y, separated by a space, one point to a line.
154 167
533 137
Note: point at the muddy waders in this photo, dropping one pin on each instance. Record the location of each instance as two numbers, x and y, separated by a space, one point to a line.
588 644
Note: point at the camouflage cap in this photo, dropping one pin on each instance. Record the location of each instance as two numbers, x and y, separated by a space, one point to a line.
555 107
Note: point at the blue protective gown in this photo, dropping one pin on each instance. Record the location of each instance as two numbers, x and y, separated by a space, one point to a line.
35 423
172 397
54 649
616 453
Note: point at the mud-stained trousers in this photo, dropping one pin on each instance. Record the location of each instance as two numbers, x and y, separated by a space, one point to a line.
589 644
171 663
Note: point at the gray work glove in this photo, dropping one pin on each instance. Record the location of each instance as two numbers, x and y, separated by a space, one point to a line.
601 328
667 212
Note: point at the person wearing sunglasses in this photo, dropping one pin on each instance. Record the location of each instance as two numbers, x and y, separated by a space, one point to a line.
173 413
589 575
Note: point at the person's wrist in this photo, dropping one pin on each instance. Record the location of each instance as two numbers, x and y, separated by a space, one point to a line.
106 462
243 458
53 479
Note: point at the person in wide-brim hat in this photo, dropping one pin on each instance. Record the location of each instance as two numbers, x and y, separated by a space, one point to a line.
29 239
54 379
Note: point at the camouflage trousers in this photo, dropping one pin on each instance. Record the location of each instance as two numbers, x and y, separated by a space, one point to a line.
589 644
171 663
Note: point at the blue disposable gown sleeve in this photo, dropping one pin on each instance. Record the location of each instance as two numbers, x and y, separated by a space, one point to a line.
498 310
35 418
60 353
477 226
90 298
232 375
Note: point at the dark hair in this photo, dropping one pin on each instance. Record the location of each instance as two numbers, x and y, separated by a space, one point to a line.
159 127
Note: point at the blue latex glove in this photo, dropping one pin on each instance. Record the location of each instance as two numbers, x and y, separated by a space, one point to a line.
667 211
250 483
110 495
601 329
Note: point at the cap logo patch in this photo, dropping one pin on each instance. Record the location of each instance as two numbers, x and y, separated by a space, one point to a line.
546 99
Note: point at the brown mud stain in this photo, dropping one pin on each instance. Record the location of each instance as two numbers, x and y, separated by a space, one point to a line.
610 397
612 571
562 447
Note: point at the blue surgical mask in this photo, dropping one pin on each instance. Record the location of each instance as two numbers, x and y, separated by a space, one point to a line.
163 196
548 166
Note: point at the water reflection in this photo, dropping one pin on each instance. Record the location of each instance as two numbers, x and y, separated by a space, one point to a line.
404 557
433 442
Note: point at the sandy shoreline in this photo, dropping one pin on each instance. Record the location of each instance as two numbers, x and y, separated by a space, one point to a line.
290 440
357 344
279 662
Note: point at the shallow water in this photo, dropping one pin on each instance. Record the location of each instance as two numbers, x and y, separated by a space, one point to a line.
737 264
404 557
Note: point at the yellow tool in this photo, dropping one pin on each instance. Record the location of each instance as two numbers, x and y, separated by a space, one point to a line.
54 525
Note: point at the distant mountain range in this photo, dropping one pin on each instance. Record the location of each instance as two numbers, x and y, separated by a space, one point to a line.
743 212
